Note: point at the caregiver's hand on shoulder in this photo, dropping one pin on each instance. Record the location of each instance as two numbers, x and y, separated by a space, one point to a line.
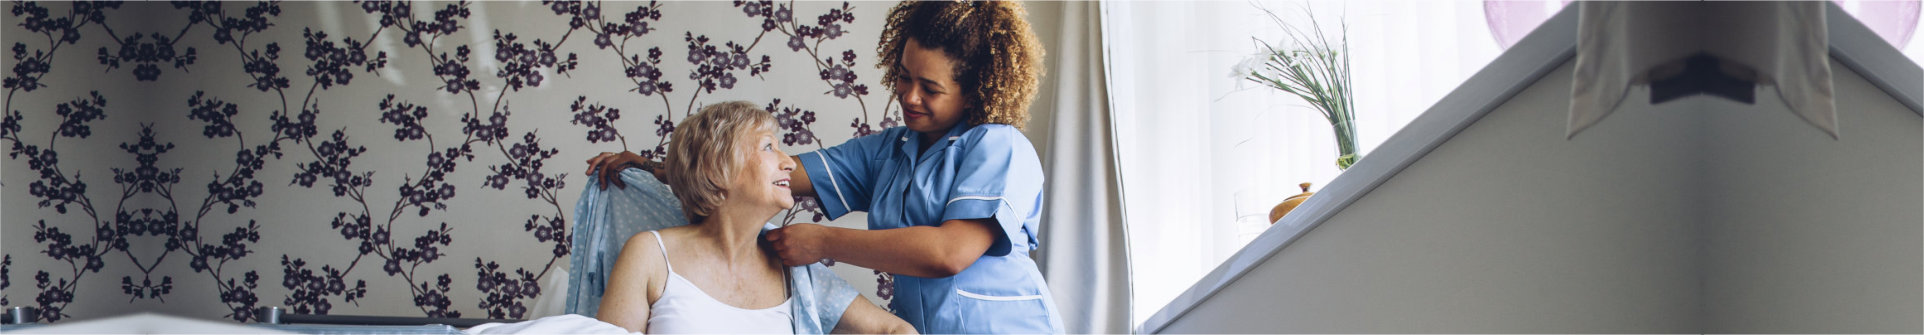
607 167
798 244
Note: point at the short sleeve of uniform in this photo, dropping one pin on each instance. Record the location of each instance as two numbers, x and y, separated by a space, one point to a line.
999 177
843 174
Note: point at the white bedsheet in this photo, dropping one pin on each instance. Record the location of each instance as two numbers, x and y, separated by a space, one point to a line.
559 324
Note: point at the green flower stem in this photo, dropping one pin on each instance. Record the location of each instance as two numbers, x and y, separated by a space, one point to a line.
1316 71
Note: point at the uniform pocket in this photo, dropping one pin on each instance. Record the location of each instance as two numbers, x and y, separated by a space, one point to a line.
968 312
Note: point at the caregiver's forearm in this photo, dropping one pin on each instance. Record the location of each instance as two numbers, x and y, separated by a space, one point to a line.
921 251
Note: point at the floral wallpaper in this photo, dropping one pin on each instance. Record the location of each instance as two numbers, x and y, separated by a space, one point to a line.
373 157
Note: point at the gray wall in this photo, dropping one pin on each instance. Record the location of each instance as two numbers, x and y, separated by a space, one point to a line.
1505 228
1692 216
1810 234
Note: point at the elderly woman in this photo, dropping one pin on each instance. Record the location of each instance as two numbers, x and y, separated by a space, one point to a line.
711 276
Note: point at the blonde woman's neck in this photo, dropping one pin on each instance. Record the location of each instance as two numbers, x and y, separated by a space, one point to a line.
733 231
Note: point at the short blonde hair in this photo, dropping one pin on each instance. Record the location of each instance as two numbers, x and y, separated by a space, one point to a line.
703 155
998 59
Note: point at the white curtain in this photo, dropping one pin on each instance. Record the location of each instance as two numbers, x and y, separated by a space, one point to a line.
1203 155
1083 253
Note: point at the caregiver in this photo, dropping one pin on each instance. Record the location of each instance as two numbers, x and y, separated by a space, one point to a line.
953 198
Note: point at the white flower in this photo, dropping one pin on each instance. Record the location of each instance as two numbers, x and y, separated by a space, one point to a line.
1248 66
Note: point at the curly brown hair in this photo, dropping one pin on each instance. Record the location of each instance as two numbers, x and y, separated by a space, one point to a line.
998 60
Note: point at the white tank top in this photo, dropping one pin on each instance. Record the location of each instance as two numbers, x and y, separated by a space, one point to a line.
685 309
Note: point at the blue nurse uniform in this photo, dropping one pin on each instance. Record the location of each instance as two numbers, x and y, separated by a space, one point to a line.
973 172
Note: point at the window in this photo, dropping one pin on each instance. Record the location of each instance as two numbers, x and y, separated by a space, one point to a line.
1204 155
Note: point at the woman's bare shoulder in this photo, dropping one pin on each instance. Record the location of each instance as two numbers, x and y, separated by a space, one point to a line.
642 251
645 244
671 234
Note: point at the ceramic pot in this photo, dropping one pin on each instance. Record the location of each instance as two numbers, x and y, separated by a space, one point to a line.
1276 213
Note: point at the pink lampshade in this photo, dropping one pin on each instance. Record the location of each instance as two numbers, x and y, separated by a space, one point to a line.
1509 20
1894 20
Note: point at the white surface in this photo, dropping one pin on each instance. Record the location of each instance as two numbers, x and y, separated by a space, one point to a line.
148 323
559 324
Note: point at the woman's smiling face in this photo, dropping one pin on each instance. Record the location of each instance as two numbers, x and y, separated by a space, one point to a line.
762 178
932 101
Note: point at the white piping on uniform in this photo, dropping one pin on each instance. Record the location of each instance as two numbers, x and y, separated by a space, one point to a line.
996 298
971 197
832 183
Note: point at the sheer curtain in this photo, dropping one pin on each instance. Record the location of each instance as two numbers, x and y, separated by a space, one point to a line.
1204 155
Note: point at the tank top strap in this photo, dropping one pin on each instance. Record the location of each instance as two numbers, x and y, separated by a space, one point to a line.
664 251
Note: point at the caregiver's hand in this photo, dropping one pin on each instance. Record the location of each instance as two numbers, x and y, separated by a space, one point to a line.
921 251
607 167
798 244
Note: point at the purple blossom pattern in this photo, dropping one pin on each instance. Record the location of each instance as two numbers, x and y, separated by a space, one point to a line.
6 277
524 164
147 56
57 293
646 75
405 117
835 71
794 123
715 66
327 159
309 290
664 125
235 29
59 31
505 295
885 287
599 119
331 64
491 132
54 188
451 70
504 292
521 65
237 294
482 128
237 189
